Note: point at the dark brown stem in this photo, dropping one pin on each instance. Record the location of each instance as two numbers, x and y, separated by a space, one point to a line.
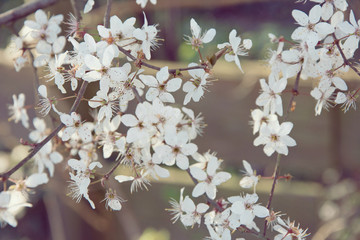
6 175
173 70
295 92
24 10
276 174
108 174
107 14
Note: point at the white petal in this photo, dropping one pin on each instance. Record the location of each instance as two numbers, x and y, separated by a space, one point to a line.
149 80
315 14
260 211
198 173
129 120
66 119
88 6
85 134
161 172
173 85
339 83
182 161
209 35
114 205
195 28
300 17
36 179
92 62
247 167
221 177
340 98
42 91
188 205
122 178
199 189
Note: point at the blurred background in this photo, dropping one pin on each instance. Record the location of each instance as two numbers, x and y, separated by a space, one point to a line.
323 195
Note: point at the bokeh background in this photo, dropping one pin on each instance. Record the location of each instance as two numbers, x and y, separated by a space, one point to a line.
323 195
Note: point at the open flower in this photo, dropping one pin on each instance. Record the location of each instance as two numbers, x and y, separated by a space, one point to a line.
250 179
196 85
161 86
10 203
236 49
275 138
270 98
209 179
197 40
18 111
73 125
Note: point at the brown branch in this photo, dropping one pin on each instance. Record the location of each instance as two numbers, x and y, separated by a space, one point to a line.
24 10
107 14
217 55
276 174
295 92
6 175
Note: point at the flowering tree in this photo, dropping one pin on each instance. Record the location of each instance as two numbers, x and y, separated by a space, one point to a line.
160 133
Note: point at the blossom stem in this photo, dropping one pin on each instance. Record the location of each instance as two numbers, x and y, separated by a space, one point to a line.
107 14
295 92
174 71
4 176
107 175
65 98
276 174
200 55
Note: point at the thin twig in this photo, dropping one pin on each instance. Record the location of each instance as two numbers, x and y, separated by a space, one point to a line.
108 174
295 92
24 10
107 14
218 54
6 175
346 61
276 174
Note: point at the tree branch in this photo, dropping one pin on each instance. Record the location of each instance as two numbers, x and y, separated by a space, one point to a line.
107 14
217 55
24 10
6 175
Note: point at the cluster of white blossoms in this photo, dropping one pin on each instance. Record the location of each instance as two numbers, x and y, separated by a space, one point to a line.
160 134
323 44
